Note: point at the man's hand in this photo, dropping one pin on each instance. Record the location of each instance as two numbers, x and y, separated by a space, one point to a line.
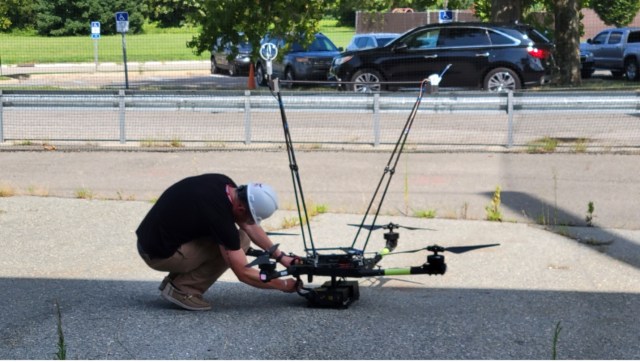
291 285
286 260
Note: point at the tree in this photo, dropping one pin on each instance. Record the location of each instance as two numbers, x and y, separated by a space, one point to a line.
506 11
567 39
171 13
16 14
616 13
235 20
73 17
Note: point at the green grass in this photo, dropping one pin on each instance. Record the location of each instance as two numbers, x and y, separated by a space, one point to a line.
145 47
339 35
154 45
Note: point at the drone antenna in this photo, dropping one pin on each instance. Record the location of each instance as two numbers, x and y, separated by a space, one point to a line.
390 168
268 52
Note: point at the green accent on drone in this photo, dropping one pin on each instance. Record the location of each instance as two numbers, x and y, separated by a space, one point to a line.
397 271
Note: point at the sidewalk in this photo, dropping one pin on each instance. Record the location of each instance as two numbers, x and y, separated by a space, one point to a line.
9 70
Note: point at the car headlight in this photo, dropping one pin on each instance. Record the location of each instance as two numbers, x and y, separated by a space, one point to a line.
341 60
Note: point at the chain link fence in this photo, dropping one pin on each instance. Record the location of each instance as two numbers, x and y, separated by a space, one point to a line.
447 121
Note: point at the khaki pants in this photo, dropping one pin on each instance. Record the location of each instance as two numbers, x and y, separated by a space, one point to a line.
196 265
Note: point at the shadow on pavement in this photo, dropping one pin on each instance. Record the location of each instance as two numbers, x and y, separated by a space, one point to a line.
571 225
109 319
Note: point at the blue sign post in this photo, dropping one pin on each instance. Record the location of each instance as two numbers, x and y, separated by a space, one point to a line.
122 26
95 35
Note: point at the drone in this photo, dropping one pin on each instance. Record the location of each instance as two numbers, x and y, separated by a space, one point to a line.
340 263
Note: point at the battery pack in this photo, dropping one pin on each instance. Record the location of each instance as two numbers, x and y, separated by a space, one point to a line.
338 296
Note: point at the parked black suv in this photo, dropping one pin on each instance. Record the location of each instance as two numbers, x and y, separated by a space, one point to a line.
496 57
300 64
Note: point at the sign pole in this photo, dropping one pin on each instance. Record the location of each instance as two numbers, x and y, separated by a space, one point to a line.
95 35
124 56
122 26
95 53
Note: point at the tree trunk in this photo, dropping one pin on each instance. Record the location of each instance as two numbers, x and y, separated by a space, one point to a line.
506 11
567 39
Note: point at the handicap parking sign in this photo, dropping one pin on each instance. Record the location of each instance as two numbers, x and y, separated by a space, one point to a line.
122 22
446 16
95 30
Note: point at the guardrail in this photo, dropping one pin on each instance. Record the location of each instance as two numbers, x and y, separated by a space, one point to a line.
505 111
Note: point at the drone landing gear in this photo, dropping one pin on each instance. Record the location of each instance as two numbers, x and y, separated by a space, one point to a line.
334 294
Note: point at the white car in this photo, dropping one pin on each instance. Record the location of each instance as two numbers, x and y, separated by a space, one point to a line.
370 40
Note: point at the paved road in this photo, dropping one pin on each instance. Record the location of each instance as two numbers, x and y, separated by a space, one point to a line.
498 303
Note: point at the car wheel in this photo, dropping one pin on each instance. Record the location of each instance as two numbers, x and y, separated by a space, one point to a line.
366 81
289 76
631 69
502 80
259 75
586 73
214 66
233 69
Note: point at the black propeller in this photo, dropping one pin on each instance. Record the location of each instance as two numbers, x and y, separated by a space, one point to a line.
262 257
389 226
452 249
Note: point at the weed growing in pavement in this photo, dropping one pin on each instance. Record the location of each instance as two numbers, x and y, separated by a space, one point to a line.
589 217
543 145
37 191
24 143
425 214
313 210
176 143
581 145
464 212
289 222
61 354
84 193
493 209
7 190
556 335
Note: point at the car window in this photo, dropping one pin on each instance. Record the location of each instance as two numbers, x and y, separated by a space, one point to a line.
322 44
536 36
463 37
425 39
361 42
384 41
245 47
500 39
370 43
634 37
600 38
615 37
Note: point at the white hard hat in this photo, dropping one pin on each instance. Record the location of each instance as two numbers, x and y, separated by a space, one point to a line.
263 201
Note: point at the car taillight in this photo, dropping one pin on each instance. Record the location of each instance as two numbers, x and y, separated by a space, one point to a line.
538 53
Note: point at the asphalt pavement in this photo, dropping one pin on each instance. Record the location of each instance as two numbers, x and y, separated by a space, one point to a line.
503 302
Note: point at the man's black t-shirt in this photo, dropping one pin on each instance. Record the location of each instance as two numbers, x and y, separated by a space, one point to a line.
190 209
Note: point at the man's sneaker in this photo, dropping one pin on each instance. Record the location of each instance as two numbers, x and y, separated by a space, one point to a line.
167 279
181 299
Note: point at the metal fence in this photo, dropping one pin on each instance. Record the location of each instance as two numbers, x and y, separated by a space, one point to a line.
461 121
